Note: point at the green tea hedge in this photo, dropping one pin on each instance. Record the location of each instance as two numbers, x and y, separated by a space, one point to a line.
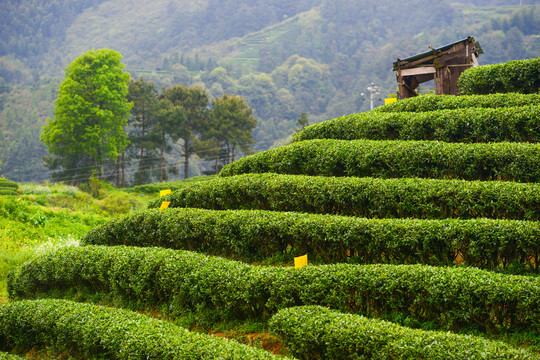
451 102
363 197
315 332
522 76
5 356
4 183
174 185
512 124
8 187
100 332
255 235
395 159
180 280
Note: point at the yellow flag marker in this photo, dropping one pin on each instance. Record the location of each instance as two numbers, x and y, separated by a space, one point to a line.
389 100
300 261
164 205
164 192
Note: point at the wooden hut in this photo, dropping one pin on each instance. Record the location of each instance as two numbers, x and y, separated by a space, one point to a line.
444 65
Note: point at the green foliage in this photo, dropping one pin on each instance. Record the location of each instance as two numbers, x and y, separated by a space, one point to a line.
451 298
252 235
115 204
145 141
34 24
315 332
8 187
155 188
451 102
90 114
4 183
522 76
98 332
184 113
229 130
363 197
5 356
254 58
395 159
512 124
26 225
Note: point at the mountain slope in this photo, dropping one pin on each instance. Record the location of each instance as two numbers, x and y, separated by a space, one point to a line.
284 57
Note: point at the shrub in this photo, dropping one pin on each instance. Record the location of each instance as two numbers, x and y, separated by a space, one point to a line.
109 333
4 183
395 159
5 356
255 235
522 76
181 280
173 185
363 197
120 203
451 102
314 332
513 124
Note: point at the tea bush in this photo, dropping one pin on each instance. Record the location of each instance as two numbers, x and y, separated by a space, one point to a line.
6 356
396 159
363 197
522 76
254 235
101 332
8 187
315 332
185 281
4 183
451 102
512 124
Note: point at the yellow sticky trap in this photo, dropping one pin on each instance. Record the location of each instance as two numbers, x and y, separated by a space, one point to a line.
300 261
164 192
389 100
164 205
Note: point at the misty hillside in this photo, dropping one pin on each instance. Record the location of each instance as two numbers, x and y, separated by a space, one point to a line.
284 57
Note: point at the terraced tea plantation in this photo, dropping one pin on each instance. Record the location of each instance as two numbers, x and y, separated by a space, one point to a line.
421 229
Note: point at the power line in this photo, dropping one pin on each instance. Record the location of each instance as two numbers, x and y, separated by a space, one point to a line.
79 177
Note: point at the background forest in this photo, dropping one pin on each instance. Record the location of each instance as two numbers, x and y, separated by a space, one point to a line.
284 57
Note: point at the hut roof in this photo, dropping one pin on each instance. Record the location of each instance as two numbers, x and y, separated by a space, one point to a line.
431 55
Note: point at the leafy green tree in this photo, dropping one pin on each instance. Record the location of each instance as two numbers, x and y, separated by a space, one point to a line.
185 114
302 121
144 117
230 128
89 116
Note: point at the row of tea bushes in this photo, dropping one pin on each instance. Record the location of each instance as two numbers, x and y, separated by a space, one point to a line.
177 280
8 187
363 197
97 332
6 356
395 159
512 124
316 333
253 235
522 76
451 102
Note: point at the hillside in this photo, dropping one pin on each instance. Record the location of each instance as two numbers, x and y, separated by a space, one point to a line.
284 57
418 224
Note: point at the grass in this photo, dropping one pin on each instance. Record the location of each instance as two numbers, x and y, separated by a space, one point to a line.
45 217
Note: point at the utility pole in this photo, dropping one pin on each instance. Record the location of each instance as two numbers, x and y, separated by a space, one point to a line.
373 90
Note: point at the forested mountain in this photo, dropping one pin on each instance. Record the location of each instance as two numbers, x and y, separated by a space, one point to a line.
284 57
